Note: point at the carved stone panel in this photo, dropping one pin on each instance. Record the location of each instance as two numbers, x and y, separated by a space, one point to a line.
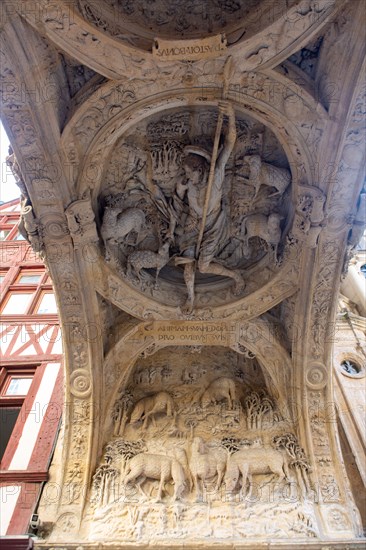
194 446
187 229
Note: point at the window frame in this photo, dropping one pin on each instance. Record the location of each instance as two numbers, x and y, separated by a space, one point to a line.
7 299
13 285
28 272
38 302
16 401
7 373
9 222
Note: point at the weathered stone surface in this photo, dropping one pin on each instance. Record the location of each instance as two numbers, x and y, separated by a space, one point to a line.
195 208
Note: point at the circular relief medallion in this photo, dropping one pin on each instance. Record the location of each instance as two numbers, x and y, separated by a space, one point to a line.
54 226
186 225
66 523
80 383
316 377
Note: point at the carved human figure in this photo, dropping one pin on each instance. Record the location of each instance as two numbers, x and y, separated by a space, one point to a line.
215 232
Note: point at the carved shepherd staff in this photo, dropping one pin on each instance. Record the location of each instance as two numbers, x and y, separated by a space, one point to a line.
226 77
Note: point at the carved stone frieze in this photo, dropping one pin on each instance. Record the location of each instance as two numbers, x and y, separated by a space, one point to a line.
275 32
160 437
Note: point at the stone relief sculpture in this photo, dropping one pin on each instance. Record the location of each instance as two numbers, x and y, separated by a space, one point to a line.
117 224
206 464
257 407
176 209
186 450
263 173
185 20
203 241
266 228
30 227
147 407
299 461
103 483
80 221
145 259
247 462
176 240
219 390
359 222
146 465
120 412
309 215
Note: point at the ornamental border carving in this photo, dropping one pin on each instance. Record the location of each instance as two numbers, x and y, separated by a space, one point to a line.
83 40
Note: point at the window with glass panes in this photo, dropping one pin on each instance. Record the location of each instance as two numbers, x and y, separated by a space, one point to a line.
15 383
28 292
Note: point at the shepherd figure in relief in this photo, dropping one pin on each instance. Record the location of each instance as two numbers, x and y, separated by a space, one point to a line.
206 229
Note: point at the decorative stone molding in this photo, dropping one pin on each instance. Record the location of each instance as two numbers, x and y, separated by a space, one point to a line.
126 334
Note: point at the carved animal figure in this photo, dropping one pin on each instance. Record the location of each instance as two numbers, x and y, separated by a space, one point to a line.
160 402
205 464
263 173
264 227
153 466
219 389
144 259
247 462
117 224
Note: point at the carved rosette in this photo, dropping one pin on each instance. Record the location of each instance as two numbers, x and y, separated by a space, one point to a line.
316 376
80 383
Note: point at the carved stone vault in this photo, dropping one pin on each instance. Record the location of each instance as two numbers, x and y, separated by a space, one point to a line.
191 172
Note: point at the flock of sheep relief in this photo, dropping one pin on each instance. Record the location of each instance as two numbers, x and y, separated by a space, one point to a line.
205 443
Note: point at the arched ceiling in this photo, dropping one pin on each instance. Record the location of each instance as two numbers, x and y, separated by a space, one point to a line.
103 108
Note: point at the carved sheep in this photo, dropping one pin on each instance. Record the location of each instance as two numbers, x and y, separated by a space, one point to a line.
160 402
152 466
145 259
205 464
248 462
219 389
263 173
117 224
266 228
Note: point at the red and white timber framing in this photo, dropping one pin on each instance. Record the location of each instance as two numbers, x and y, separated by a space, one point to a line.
30 343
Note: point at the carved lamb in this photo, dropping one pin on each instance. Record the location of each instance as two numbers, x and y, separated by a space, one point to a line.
263 173
145 259
117 224
152 466
266 228
160 402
